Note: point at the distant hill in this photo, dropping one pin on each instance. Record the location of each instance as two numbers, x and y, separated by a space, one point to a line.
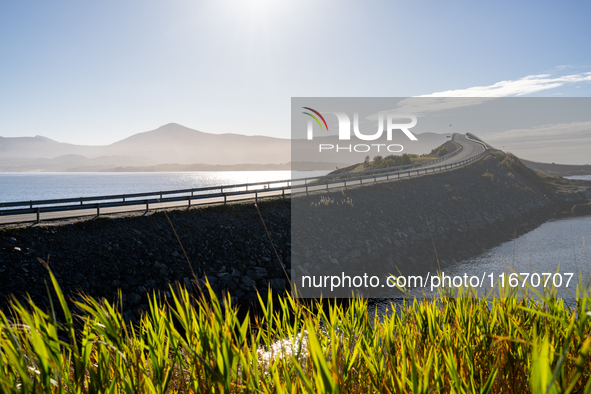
42 147
176 146
174 143
558 169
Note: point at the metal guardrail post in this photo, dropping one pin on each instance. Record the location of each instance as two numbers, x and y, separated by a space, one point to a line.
306 183
31 204
38 215
256 197
124 198
147 205
98 208
283 193
225 198
189 199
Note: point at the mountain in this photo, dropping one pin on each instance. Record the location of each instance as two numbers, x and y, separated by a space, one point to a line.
173 144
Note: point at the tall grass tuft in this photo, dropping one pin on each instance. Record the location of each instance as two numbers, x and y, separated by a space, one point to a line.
189 344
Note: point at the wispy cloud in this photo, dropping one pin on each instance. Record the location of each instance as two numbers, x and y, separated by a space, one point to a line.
526 85
546 133
424 105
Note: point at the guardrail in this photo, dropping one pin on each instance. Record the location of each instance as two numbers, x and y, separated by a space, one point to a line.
388 169
473 138
275 188
393 175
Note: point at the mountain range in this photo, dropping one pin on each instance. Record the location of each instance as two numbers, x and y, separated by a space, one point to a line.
174 147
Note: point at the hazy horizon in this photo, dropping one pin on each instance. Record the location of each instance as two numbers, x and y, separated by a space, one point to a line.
102 156
97 73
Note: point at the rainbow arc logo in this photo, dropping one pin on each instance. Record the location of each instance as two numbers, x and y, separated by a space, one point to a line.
315 118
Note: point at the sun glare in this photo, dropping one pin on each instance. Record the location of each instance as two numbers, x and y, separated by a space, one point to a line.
258 9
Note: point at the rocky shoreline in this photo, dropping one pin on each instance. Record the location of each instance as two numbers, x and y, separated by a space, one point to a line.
462 213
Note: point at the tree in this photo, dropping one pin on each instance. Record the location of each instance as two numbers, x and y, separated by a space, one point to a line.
377 161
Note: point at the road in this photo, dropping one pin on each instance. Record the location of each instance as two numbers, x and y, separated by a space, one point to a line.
470 150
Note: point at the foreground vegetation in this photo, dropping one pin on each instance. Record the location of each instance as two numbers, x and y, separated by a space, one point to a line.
189 345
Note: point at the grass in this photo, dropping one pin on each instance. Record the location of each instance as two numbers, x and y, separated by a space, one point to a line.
488 176
196 345
380 162
326 201
547 183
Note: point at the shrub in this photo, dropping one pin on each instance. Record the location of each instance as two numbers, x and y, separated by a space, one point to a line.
489 176
377 161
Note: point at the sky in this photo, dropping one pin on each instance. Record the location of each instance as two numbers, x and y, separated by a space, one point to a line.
97 72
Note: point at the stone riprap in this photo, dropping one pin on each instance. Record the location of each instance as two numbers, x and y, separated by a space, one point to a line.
136 255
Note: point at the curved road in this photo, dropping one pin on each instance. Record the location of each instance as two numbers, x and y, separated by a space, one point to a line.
470 150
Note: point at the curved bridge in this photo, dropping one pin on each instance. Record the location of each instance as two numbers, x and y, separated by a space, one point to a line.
471 148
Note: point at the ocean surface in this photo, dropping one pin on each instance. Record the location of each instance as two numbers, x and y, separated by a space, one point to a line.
581 177
26 186
557 247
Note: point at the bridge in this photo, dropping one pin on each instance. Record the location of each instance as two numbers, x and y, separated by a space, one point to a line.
471 149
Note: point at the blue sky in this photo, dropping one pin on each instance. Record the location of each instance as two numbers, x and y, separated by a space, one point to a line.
97 72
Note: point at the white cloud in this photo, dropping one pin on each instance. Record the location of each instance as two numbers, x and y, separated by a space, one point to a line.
450 99
421 106
520 87
435 104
